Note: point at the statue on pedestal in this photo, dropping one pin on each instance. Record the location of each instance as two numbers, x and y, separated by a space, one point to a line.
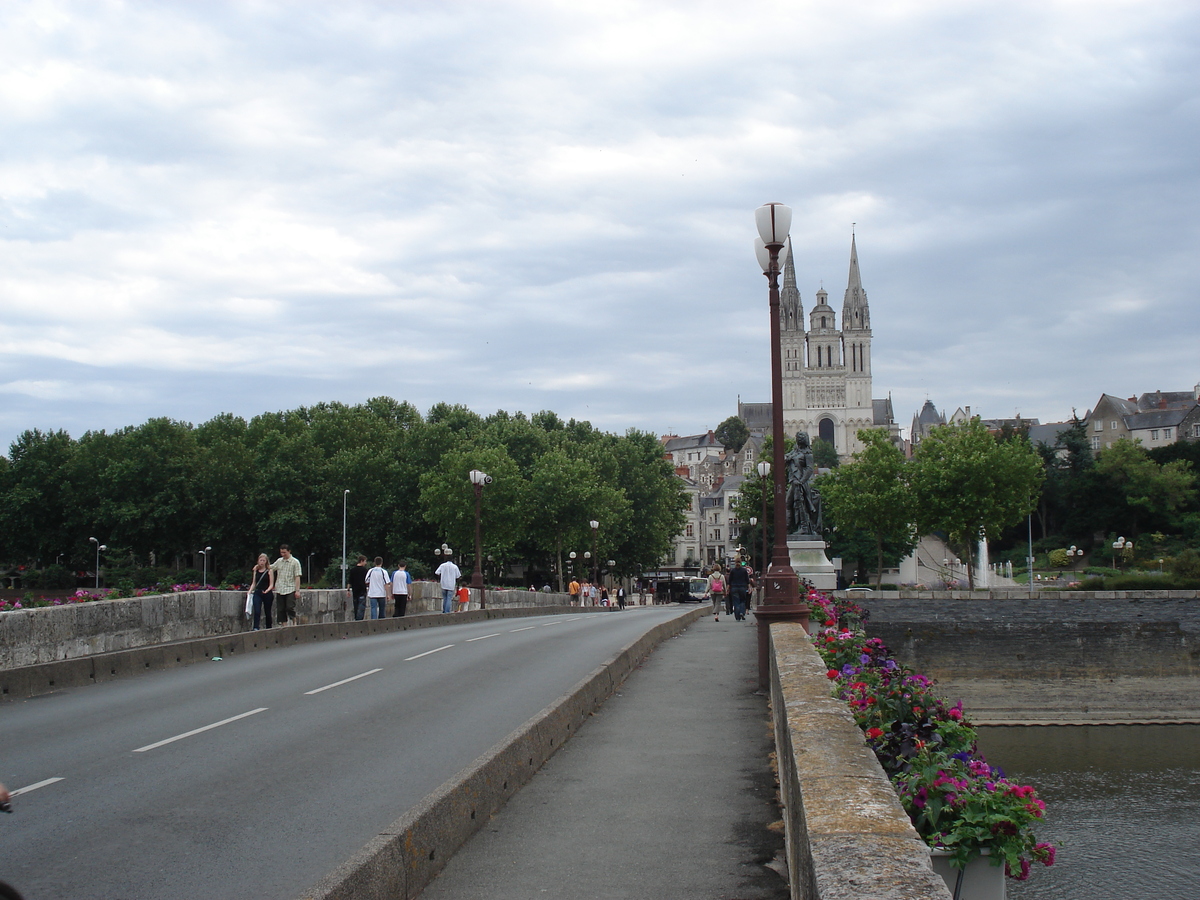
803 499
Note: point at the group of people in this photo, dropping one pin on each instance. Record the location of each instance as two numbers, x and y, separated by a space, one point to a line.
731 589
588 594
273 588
376 587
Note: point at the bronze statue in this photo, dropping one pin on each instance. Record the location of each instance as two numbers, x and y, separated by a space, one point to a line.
803 499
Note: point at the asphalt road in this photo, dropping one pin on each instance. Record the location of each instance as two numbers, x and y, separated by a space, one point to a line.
252 777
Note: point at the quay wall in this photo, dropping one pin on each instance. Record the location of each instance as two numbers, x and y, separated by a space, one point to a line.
1054 636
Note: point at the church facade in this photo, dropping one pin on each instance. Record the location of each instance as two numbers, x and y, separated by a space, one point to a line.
826 369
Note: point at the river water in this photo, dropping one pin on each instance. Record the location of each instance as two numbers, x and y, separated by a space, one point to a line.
1123 804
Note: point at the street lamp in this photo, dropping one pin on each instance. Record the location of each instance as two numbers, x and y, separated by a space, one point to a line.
764 472
99 547
204 553
310 578
1073 554
781 598
345 497
1124 548
595 558
479 479
571 556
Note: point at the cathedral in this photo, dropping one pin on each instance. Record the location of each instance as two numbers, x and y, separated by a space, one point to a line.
826 369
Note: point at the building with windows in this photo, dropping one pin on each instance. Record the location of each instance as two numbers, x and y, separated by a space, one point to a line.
1155 418
826 369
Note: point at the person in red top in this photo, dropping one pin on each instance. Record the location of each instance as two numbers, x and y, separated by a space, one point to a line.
464 598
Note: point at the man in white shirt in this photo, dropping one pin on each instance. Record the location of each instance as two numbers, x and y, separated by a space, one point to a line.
448 575
400 581
379 585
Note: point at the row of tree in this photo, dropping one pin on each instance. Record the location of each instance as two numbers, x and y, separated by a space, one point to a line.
161 491
963 482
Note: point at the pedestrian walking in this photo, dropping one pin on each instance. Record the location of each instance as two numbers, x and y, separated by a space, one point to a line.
716 591
621 598
740 583
379 585
400 582
358 588
464 598
262 582
287 585
448 575
573 590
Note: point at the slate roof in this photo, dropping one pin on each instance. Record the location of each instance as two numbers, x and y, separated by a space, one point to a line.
1159 418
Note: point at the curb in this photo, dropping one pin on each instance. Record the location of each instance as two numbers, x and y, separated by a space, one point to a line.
408 853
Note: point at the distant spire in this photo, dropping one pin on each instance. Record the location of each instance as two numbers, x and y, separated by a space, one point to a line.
856 314
791 309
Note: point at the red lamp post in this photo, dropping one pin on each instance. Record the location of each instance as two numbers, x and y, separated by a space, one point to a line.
781 593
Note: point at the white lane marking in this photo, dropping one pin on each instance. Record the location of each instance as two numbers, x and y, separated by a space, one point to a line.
33 787
526 628
548 624
343 681
483 637
187 734
427 652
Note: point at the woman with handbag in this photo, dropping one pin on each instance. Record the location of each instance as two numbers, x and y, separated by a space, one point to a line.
262 586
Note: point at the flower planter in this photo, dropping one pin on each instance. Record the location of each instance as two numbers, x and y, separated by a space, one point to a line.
981 880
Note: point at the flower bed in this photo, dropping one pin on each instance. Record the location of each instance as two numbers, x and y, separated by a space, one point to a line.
928 749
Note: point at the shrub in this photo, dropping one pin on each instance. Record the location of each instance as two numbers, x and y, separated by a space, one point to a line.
1186 564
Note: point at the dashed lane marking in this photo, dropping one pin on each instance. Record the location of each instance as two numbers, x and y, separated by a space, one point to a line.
343 681
195 731
427 652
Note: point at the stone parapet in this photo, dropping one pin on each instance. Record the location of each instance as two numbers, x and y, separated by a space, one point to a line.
30 637
848 838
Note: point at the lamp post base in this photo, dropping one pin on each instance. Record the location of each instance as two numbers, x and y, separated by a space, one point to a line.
781 603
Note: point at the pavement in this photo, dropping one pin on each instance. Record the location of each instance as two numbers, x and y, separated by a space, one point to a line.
666 792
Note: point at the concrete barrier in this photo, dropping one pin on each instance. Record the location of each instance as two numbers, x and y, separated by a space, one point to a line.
41 678
848 837
50 634
407 854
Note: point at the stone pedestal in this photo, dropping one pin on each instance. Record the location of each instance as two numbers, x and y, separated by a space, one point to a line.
810 563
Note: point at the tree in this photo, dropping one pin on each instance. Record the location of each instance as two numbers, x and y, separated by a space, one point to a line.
870 494
733 434
968 485
1147 487
825 454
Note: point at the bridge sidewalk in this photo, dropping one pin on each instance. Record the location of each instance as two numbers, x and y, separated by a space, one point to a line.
665 792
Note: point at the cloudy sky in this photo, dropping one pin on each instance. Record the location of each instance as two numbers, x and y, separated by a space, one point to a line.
239 207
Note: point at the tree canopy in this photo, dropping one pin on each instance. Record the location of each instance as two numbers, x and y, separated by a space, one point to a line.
966 484
156 493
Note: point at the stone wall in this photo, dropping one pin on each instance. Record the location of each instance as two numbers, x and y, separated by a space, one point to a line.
848 838
36 636
1056 636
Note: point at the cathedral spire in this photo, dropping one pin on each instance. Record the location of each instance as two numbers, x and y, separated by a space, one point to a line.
856 314
791 309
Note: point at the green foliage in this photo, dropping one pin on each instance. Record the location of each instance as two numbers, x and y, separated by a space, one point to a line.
825 454
733 434
871 495
1186 564
1058 558
156 493
1147 487
966 483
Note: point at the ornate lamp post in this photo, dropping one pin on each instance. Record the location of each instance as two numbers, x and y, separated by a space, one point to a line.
781 593
595 526
345 497
764 472
479 479
1073 554
204 553
99 547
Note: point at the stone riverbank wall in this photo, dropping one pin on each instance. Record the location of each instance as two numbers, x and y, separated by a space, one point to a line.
1054 635
31 637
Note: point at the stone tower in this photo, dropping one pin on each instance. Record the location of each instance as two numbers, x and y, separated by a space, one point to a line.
826 369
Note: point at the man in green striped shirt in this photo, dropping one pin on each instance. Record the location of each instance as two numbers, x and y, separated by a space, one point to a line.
287 584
